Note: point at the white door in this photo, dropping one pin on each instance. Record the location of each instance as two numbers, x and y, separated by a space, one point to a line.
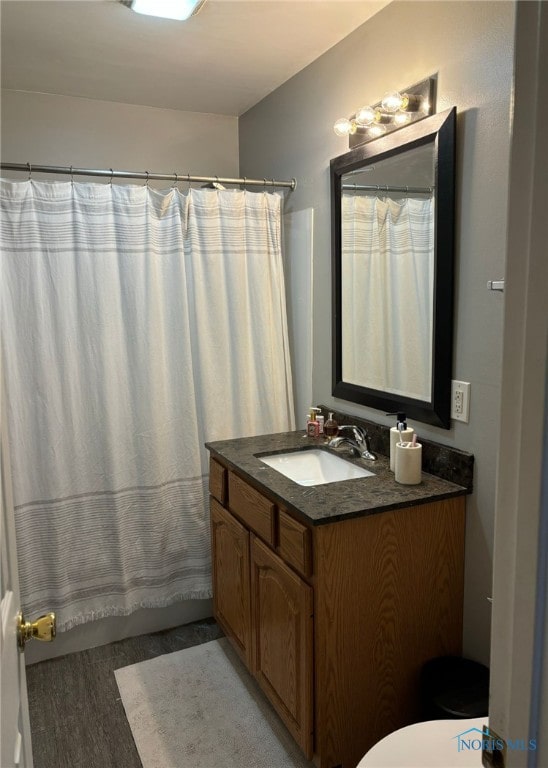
15 744
518 703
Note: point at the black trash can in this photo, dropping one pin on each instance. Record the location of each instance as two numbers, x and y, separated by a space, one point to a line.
453 688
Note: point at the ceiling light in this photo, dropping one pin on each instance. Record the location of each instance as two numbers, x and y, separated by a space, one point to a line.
168 9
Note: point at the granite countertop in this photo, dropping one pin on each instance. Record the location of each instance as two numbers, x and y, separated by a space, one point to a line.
329 502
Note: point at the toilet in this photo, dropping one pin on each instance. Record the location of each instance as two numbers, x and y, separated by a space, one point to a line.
431 744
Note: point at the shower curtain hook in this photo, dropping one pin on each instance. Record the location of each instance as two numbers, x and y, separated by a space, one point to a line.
30 172
71 176
146 182
264 182
188 180
176 180
111 175
245 182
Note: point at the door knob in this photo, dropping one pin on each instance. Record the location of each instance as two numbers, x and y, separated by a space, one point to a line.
44 628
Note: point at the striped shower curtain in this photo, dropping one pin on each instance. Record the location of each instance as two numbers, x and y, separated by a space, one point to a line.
136 324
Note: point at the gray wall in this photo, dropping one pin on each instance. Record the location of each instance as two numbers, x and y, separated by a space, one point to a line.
63 130
470 47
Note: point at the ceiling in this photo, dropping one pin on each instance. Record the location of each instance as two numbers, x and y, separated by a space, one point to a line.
224 60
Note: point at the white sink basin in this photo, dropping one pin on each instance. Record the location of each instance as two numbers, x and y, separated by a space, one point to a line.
314 467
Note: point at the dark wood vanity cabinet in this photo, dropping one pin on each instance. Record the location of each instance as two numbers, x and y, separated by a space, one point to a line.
335 620
281 640
231 578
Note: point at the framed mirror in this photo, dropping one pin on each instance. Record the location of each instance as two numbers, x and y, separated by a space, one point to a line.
392 204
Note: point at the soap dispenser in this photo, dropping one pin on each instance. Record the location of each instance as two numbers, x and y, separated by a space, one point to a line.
401 433
331 428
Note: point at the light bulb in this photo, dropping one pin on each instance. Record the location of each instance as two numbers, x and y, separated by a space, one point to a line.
412 103
401 118
376 130
383 117
365 115
392 101
343 126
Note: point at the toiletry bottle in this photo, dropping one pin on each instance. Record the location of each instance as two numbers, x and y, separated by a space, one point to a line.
400 433
312 426
321 421
331 428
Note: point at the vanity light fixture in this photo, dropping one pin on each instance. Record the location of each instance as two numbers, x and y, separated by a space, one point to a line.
394 111
180 10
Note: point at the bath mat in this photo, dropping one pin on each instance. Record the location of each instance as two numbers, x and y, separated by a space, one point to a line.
200 708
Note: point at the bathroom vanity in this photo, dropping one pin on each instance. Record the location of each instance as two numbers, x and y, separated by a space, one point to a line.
334 595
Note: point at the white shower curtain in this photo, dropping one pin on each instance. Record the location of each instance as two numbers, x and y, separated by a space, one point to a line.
387 288
136 325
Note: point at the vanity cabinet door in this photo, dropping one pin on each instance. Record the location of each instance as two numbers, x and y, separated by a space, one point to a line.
230 549
282 642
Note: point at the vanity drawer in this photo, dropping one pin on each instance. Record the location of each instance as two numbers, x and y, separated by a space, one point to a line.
217 480
295 543
251 507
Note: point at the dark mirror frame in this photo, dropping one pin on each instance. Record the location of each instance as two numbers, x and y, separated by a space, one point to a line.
439 129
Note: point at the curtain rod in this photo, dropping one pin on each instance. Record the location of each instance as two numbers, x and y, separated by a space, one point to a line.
385 188
175 177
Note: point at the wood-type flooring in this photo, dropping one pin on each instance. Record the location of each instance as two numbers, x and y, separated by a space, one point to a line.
77 717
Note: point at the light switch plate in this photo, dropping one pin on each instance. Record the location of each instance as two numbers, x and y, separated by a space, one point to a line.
460 400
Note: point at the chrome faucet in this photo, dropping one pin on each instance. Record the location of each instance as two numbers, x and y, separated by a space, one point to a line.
359 442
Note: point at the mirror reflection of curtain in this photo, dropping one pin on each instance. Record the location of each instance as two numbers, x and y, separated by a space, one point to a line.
387 291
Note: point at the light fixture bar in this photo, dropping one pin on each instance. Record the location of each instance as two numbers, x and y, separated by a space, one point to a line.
394 111
180 10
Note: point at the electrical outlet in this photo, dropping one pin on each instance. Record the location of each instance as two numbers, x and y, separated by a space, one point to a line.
460 400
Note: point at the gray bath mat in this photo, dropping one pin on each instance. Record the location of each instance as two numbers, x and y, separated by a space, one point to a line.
200 708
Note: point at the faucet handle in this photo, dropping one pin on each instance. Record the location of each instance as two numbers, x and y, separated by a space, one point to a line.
359 432
361 437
